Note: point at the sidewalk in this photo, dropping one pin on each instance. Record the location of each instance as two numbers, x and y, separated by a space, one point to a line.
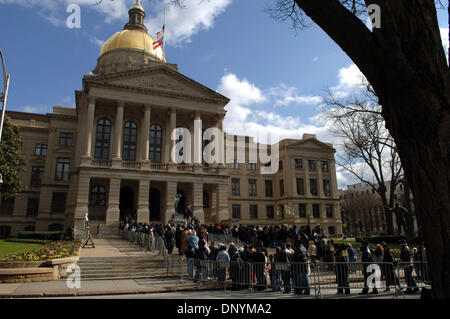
59 288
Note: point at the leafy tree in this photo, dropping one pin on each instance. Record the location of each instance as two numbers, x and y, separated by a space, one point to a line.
12 161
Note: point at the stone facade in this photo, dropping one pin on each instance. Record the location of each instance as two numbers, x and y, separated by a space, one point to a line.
110 156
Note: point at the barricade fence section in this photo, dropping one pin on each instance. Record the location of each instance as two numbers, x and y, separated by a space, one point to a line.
304 278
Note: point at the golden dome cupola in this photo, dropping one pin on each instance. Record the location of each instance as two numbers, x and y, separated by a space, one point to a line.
137 16
131 48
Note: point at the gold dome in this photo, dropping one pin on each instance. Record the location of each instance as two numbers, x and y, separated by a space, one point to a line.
133 39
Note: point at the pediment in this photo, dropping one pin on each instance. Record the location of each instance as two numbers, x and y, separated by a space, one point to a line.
312 143
159 79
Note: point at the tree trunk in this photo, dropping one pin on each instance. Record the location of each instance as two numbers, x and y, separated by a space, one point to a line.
407 205
405 63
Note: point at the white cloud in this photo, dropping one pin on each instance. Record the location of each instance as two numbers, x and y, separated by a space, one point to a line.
287 95
244 118
445 41
181 23
93 39
350 79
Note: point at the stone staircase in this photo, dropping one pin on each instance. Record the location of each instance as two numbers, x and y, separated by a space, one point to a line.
116 258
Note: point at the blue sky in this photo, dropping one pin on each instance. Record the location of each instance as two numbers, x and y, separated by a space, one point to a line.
273 75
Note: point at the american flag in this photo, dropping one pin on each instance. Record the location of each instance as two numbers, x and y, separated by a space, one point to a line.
161 33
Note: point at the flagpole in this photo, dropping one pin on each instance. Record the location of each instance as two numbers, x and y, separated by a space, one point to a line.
164 34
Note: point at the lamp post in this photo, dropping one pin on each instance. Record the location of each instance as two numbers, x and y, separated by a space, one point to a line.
3 98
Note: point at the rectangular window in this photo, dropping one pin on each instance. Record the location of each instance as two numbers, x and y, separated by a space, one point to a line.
7 206
313 186
252 187
302 210
269 188
235 187
65 138
281 187
329 210
253 211
300 186
235 164
326 187
40 149
316 210
59 202
270 212
37 172
298 163
251 166
236 211
32 207
324 166
312 165
280 165
62 169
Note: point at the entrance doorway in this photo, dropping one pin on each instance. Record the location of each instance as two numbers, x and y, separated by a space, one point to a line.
155 204
126 204
182 202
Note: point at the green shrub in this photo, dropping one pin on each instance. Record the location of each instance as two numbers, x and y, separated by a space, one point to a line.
389 239
28 241
43 235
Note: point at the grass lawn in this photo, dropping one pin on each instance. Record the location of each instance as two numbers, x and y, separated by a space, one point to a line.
10 248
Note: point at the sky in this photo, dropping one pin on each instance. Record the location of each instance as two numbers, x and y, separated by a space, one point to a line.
275 76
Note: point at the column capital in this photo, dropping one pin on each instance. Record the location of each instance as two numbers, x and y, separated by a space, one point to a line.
120 103
148 107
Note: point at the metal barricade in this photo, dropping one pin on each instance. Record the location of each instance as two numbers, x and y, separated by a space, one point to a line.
413 275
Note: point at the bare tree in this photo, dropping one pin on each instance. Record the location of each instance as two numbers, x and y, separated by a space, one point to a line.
368 151
359 213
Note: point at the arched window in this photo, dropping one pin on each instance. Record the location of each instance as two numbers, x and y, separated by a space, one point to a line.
129 141
103 137
98 196
155 143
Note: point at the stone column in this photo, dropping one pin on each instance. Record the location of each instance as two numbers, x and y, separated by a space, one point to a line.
197 145
197 207
87 153
320 179
146 134
219 125
171 191
118 130
333 179
81 204
307 186
172 127
113 211
143 211
222 212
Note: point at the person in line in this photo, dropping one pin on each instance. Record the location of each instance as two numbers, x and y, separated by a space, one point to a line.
342 270
405 258
367 259
223 260
299 269
388 265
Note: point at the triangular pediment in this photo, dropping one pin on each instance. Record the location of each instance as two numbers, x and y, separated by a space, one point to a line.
159 79
312 143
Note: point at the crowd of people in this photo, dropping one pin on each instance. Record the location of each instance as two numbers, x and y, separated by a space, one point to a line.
296 250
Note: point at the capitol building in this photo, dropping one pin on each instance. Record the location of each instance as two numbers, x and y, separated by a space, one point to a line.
110 156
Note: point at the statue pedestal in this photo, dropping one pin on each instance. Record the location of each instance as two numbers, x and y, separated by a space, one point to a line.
177 219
